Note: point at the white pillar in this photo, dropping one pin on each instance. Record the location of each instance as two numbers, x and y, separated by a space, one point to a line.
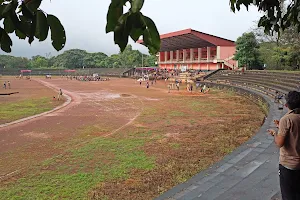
166 56
191 54
222 65
208 53
218 52
184 55
159 57
171 56
199 54
177 55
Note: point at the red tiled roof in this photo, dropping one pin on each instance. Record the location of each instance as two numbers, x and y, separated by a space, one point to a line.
189 38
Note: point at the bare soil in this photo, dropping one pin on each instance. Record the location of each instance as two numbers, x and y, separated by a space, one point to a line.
184 132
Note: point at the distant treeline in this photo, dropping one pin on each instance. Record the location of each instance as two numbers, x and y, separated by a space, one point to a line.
76 58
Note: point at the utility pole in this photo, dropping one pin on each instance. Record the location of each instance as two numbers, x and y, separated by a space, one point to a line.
142 63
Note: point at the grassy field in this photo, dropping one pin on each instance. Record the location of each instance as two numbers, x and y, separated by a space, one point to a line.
24 108
168 143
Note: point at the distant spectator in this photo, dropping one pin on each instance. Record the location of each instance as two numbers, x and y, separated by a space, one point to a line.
191 88
204 88
60 93
4 85
147 84
169 88
8 84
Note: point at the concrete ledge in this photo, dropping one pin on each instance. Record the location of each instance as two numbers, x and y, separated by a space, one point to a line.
247 172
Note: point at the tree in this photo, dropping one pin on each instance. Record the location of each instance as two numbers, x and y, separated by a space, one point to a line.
13 62
247 51
38 62
27 20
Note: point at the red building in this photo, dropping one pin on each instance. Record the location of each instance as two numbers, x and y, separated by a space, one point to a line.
190 49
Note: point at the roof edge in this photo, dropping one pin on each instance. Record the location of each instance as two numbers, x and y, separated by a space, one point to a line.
183 32
192 30
171 34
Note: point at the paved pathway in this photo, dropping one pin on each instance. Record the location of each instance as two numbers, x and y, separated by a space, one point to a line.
249 173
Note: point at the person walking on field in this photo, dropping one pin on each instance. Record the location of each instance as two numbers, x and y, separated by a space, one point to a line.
288 140
60 93
4 85
8 84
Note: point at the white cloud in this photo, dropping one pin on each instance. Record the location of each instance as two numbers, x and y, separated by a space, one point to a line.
85 22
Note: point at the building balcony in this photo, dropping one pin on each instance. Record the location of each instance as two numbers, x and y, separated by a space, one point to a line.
187 61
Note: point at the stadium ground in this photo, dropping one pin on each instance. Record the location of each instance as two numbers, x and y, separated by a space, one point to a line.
119 140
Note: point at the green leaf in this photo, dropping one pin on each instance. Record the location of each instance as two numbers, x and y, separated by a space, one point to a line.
20 35
32 31
33 5
136 33
25 27
138 26
6 42
121 32
136 5
7 8
26 12
42 27
115 11
151 35
9 26
58 35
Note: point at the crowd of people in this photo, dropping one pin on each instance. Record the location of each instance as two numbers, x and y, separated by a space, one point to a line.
86 78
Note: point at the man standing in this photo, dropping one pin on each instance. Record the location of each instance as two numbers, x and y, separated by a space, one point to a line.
60 93
8 84
288 140
4 85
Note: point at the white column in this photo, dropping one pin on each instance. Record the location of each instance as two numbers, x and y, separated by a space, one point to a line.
218 52
208 53
171 56
166 56
177 55
184 55
191 54
199 54
159 57
222 65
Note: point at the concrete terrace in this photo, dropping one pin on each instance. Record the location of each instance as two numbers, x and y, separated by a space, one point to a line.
248 173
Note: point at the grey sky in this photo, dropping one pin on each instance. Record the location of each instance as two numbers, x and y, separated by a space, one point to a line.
85 22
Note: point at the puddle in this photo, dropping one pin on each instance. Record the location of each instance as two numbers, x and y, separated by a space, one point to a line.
150 99
125 95
100 95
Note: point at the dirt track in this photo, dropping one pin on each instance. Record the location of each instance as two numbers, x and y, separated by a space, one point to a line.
179 128
112 104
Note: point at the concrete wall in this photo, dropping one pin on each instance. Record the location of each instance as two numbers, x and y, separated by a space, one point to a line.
226 52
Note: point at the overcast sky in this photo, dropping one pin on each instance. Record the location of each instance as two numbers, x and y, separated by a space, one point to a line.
85 22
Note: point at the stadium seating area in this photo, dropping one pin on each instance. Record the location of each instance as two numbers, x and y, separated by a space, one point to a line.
263 81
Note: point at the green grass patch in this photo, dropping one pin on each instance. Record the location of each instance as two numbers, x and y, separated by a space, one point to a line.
25 108
176 113
74 174
174 145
